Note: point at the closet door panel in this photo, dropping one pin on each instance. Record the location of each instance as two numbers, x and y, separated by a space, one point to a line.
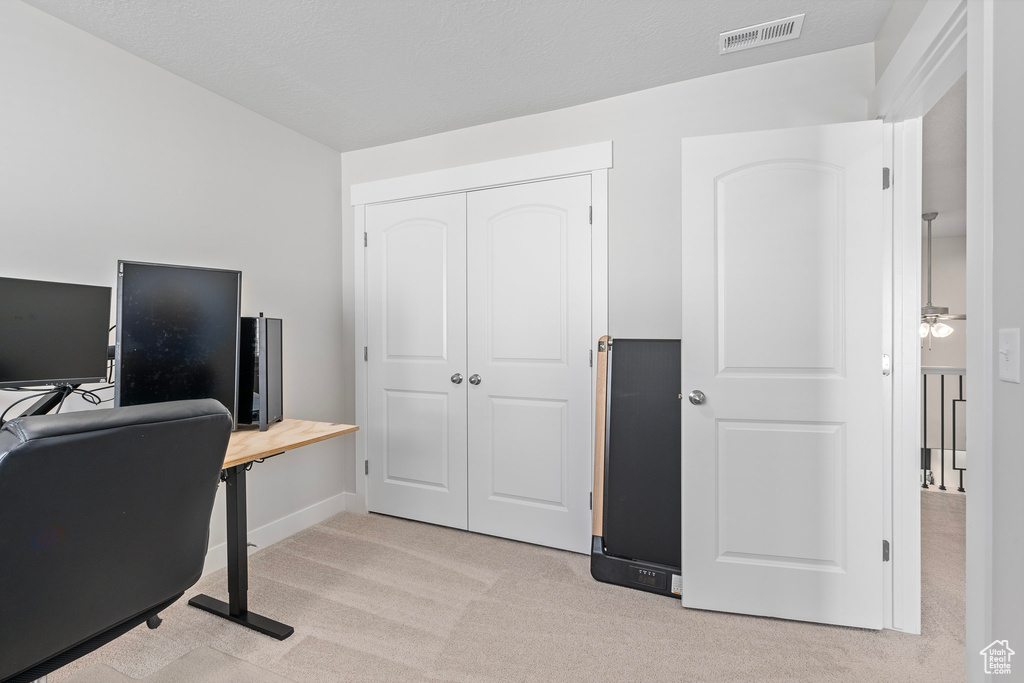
416 315
526 253
529 302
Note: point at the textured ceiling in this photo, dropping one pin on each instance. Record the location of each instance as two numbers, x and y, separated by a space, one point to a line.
944 151
360 73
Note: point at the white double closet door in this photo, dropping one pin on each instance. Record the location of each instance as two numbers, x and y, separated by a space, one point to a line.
479 378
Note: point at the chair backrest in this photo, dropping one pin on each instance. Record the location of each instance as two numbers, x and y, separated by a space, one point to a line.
103 515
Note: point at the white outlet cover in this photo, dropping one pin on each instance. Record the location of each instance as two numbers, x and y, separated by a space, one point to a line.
1009 355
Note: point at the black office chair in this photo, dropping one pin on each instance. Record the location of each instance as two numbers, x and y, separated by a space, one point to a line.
104 522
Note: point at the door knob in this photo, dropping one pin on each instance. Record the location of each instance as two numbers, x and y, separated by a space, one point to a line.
696 397
474 379
457 378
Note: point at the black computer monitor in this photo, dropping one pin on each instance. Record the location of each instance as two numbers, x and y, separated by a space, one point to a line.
177 334
52 333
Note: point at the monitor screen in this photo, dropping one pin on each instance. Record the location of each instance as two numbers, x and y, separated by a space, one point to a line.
52 333
177 334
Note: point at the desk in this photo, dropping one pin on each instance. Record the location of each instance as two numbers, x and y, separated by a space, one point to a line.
245 447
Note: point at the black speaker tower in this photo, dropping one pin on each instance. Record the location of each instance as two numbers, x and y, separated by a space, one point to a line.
260 395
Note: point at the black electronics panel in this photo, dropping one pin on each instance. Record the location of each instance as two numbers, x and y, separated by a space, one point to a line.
52 332
177 334
272 380
261 377
248 371
642 502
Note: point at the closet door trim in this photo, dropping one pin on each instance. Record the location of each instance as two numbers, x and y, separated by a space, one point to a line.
511 171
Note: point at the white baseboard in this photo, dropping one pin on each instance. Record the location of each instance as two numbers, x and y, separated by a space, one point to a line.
357 504
280 529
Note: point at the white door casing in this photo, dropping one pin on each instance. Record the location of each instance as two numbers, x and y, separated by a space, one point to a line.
782 308
529 304
416 339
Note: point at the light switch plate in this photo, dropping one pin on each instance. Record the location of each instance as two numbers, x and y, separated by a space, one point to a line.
1009 355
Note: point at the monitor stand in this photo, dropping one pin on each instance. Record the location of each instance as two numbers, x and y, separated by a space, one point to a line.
50 401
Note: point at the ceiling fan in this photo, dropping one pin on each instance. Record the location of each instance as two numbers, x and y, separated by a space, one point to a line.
932 315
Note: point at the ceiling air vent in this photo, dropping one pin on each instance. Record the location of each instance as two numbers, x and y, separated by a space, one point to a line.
761 34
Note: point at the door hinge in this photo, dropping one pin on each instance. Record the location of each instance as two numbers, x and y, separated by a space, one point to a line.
591 500
885 551
591 215
366 467
885 179
366 354
591 357
365 240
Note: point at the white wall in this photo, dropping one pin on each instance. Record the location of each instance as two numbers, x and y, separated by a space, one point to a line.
894 30
1008 312
104 156
995 282
645 128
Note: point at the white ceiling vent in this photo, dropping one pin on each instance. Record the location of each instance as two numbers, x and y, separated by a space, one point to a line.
761 34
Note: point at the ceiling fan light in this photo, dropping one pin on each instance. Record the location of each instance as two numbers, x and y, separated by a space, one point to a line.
925 327
941 330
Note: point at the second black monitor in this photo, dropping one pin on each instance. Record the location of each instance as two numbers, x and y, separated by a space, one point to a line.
52 333
177 334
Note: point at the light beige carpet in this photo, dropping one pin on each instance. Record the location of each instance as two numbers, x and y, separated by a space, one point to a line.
374 598
201 664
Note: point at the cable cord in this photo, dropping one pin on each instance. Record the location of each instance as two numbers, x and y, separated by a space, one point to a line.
68 390
20 400
90 396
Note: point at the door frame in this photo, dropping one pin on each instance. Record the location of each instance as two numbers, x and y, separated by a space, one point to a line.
932 56
594 160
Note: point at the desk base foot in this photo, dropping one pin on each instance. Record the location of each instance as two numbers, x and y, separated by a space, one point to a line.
269 627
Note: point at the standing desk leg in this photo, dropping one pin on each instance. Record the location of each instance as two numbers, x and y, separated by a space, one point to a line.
236 609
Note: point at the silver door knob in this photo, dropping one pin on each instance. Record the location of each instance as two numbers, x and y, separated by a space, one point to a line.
474 379
457 378
696 397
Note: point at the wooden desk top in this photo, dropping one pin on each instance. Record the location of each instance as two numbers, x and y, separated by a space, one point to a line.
246 445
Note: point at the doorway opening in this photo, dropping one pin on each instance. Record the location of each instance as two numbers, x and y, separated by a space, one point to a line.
944 382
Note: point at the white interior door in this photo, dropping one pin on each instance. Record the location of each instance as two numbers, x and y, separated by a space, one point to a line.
529 344
782 308
416 333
